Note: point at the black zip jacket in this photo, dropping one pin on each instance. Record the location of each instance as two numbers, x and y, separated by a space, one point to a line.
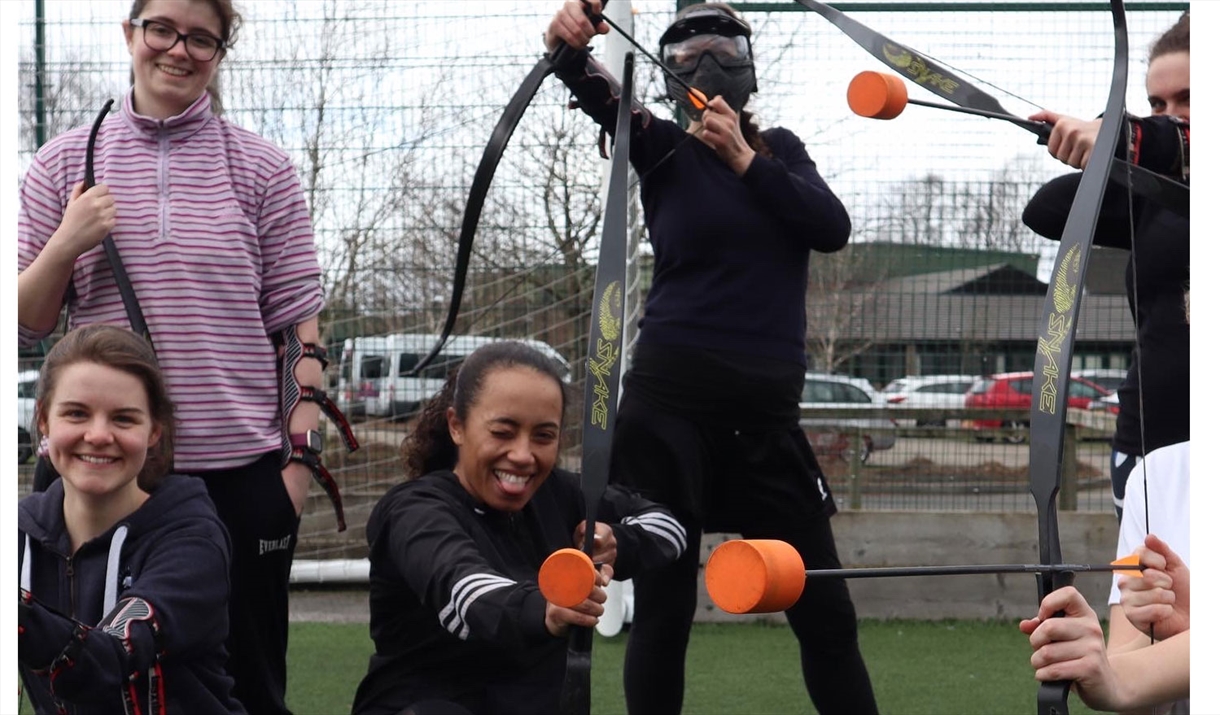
171 558
456 614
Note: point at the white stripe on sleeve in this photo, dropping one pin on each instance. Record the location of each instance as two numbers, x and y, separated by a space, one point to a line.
662 525
465 592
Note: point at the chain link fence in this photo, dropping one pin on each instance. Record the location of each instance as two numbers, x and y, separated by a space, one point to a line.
386 106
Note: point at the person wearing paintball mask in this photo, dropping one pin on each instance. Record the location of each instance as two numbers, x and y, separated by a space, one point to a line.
708 424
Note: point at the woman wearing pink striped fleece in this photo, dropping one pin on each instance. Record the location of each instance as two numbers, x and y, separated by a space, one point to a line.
214 232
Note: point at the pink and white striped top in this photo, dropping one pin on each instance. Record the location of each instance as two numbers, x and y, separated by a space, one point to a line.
214 232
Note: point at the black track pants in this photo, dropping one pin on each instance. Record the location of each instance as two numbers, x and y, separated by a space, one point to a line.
262 523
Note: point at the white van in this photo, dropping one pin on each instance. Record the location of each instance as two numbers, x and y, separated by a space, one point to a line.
27 384
374 371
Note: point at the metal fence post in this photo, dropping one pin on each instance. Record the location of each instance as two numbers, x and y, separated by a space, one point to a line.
1068 477
855 464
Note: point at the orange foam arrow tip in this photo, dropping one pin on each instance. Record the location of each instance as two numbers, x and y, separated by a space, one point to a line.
755 576
567 577
697 98
1132 560
877 95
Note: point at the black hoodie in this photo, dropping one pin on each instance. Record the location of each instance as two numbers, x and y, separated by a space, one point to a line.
170 557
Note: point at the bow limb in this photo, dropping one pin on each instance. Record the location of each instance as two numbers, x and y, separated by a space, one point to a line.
478 193
917 67
1056 337
910 63
605 356
492 153
131 305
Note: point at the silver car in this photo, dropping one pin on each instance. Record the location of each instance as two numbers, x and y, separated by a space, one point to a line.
833 435
946 392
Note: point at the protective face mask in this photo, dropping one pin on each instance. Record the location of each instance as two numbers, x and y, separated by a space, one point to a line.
709 77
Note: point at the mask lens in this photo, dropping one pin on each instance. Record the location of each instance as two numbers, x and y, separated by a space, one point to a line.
684 55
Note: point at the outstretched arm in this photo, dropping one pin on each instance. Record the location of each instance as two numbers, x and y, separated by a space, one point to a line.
1073 648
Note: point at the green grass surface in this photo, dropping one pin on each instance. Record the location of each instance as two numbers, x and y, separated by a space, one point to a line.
916 667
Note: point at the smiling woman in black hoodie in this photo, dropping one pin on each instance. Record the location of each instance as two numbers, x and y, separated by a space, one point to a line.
123 569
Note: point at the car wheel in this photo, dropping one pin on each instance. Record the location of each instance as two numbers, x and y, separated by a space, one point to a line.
1016 437
847 454
25 447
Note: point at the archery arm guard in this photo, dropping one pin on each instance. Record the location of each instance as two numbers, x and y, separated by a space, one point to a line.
1159 143
301 448
596 92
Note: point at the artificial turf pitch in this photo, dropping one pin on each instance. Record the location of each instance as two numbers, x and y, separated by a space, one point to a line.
933 667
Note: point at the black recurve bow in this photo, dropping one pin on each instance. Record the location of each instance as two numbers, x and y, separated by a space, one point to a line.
1056 338
605 356
1056 329
135 316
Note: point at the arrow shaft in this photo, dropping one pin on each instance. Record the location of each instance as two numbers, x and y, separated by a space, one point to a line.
964 570
660 65
1042 129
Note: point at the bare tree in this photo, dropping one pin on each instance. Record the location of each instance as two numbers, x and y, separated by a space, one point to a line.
73 93
993 210
364 184
917 215
840 303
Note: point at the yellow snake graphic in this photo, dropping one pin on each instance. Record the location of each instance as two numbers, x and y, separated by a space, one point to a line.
901 58
1065 292
608 311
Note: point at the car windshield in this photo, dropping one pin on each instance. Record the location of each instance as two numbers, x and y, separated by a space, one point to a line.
827 391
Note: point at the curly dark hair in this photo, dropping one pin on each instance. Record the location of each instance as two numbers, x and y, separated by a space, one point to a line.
429 447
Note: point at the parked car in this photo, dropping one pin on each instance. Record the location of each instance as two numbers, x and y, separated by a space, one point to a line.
375 377
27 380
834 436
1014 390
1108 378
947 392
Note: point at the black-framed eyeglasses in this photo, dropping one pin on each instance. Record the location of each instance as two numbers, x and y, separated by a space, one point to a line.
158 36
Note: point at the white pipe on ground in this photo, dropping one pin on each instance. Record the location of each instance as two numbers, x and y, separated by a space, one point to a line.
306 571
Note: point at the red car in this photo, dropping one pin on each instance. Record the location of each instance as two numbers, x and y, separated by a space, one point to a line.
1014 390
